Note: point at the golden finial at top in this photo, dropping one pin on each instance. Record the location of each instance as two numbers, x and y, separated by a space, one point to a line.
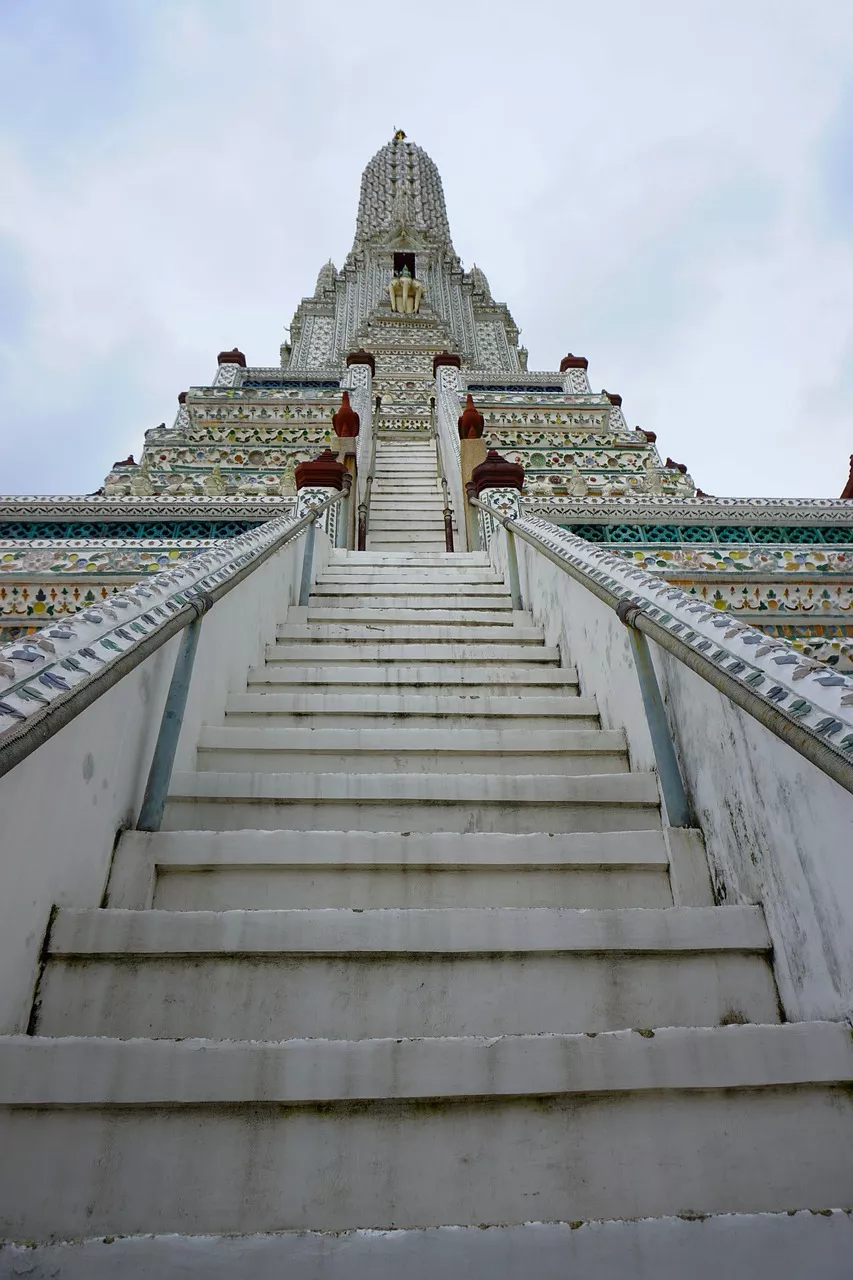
399 135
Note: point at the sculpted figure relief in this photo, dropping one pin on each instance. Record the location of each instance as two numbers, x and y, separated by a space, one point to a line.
405 292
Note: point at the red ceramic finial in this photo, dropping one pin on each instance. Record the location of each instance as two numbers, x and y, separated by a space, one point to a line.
612 397
232 357
322 472
345 421
471 423
848 488
497 473
362 357
446 358
573 362
675 466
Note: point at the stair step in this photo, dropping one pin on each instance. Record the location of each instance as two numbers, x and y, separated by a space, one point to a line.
450 710
411 559
562 1123
379 574
342 974
739 1246
530 636
174 870
398 612
290 651
399 750
479 680
494 592
412 802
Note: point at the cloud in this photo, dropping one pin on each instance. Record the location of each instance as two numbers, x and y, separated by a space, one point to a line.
664 188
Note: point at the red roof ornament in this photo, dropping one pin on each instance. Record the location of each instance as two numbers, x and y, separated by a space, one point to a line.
125 462
612 397
362 357
446 358
346 420
232 357
651 436
471 422
182 397
496 473
322 472
848 488
675 466
573 362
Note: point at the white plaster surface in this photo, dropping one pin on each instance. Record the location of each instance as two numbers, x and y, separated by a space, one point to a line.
738 1246
61 808
777 830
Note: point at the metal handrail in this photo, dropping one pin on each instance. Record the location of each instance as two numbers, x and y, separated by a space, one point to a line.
364 505
21 740
641 625
442 475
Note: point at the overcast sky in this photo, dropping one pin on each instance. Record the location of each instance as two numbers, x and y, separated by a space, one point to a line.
664 187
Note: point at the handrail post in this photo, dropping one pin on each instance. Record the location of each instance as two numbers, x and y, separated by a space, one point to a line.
472 520
364 505
671 783
307 563
512 564
163 760
442 476
342 523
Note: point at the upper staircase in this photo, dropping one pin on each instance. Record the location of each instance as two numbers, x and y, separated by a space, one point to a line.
406 509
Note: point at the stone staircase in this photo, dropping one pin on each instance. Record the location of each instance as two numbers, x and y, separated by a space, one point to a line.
406 954
406 508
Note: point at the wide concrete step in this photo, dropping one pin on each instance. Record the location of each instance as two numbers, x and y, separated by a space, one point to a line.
342 974
233 749
134 1137
430 526
291 651
218 871
392 573
425 615
356 633
427 516
405 468
394 546
412 802
398 544
495 592
405 514
739 1246
411 559
397 540
343 709
447 677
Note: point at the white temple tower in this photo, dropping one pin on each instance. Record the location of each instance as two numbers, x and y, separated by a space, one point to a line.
427 874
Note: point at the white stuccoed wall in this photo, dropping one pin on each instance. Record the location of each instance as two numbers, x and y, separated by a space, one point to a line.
778 831
61 808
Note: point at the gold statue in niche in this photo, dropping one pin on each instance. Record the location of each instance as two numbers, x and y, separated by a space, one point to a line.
405 292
